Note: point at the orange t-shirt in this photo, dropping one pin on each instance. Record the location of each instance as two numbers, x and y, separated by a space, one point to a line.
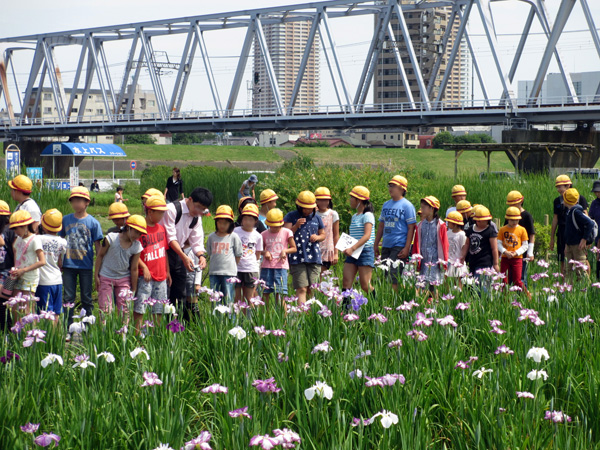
512 238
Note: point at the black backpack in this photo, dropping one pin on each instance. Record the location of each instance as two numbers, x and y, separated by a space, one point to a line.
593 224
179 213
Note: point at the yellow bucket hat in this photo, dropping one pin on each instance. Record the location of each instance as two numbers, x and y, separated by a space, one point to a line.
274 218
118 210
455 217
360 192
20 218
137 222
224 212
268 195
52 220
306 199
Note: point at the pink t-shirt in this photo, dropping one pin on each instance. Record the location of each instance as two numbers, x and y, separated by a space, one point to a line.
275 243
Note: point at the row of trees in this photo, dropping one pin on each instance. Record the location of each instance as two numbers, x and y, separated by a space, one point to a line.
445 137
179 138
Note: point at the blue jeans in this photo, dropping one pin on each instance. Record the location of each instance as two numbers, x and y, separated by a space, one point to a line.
219 283
86 277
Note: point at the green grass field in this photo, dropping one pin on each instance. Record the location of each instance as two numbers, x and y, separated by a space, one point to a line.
419 159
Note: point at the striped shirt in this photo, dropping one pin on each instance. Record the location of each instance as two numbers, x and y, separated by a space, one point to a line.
357 227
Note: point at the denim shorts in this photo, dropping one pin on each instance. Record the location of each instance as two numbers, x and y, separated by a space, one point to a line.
276 279
366 258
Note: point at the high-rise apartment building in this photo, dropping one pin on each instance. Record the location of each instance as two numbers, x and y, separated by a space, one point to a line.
426 27
286 42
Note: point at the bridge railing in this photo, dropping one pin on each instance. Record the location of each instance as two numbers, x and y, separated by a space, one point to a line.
454 106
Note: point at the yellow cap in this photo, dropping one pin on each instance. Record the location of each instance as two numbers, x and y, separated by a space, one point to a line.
80 191
4 208
224 212
399 180
242 200
322 193
562 180
458 189
306 199
455 217
52 220
482 213
250 210
360 192
432 201
152 192
512 213
274 218
20 218
118 210
21 183
464 206
571 197
268 195
514 198
156 203
137 222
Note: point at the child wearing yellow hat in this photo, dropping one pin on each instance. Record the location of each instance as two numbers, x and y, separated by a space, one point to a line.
431 242
252 247
268 201
224 250
50 289
7 237
481 245
242 202
513 242
117 266
331 222
279 243
459 193
456 241
516 199
83 234
362 228
154 274
580 231
559 219
29 256
20 191
396 228
309 232
118 213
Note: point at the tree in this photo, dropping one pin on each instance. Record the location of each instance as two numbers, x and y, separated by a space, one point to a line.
443 137
139 139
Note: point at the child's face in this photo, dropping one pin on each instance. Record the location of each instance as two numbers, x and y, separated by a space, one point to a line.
222 225
119 222
134 234
353 202
513 223
394 190
458 198
426 210
155 216
306 212
597 194
248 222
20 231
272 204
78 204
482 223
323 204
561 189
274 230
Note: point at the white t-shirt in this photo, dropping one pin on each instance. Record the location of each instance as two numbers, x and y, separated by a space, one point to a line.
32 208
252 242
55 248
30 257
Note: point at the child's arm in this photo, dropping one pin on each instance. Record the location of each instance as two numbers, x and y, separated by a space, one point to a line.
289 250
409 239
336 238
36 265
494 245
464 250
169 281
134 270
100 252
378 236
145 271
553 231
365 237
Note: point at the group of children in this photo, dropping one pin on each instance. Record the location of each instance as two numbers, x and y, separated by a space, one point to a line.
42 254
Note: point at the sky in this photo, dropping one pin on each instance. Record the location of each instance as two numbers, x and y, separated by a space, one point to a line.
352 37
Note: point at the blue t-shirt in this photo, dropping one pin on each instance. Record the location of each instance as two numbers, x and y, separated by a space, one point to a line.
80 235
308 252
357 227
396 217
